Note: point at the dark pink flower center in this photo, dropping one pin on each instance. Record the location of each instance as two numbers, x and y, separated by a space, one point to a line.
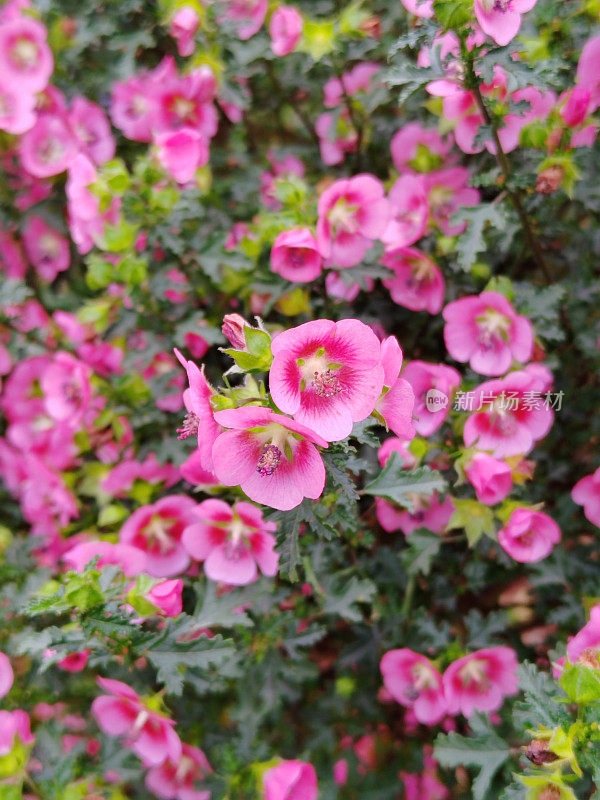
297 256
269 460
71 391
326 384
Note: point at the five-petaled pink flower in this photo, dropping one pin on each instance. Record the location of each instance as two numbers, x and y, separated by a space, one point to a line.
417 283
327 374
175 779
157 529
46 248
490 477
352 213
414 682
66 387
290 780
233 542
486 331
25 57
586 493
295 256
481 680
409 212
271 457
501 19
509 414
123 713
529 535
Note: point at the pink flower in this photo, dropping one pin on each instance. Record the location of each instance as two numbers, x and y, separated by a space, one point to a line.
481 680
66 387
46 248
48 148
193 472
92 130
336 136
232 542
490 478
576 104
417 283
421 8
157 529
358 79
429 512
247 15
183 28
586 493
529 535
409 213
295 256
501 19
508 427
285 28
133 106
396 403
182 152
6 675
327 374
290 780
25 58
415 683
271 457
409 142
12 260
186 102
12 725
588 70
340 772
431 383
340 288
447 192
166 596
486 331
17 108
74 662
175 779
199 421
584 647
132 560
352 213
149 734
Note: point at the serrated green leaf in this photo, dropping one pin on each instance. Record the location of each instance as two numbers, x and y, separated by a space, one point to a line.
400 485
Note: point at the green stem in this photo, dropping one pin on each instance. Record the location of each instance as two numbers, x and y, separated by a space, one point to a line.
408 596
472 82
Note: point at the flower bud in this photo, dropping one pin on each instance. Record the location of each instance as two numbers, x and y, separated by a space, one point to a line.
233 330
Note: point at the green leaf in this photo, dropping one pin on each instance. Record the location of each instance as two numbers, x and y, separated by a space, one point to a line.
400 485
258 342
581 683
486 751
342 601
472 241
423 547
172 655
475 518
214 611
540 694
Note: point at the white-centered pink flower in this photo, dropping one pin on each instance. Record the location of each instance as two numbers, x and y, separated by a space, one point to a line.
486 331
481 680
415 683
328 375
271 457
529 535
353 212
233 543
